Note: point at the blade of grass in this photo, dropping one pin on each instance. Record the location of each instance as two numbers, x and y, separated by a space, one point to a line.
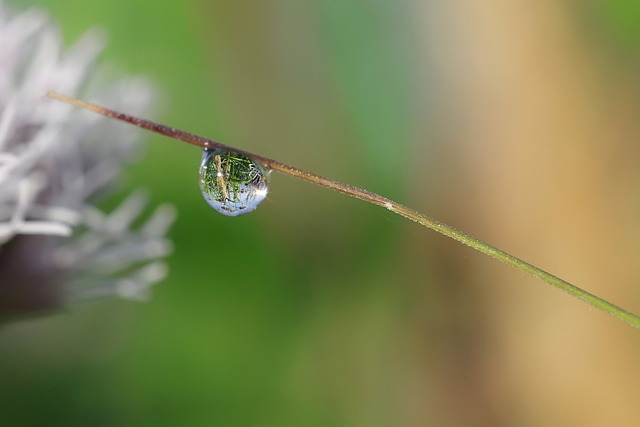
358 193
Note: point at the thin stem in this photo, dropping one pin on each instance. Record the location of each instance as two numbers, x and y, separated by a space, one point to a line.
370 197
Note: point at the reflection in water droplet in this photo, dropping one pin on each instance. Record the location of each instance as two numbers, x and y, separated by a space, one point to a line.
232 184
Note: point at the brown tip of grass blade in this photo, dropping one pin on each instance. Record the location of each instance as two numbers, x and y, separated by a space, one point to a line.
60 97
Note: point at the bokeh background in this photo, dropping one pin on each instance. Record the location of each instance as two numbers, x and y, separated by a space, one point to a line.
514 121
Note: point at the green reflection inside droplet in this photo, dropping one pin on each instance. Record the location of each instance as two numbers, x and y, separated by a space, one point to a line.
232 184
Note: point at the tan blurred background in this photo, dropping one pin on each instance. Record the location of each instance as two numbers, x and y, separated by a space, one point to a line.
514 121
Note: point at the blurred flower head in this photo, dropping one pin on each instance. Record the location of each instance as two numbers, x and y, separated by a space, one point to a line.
56 246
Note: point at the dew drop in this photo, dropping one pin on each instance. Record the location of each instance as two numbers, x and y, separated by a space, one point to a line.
232 184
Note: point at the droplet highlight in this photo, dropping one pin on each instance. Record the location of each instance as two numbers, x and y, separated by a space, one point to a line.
231 183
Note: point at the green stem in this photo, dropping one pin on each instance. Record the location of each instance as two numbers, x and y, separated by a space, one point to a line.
376 199
521 265
461 237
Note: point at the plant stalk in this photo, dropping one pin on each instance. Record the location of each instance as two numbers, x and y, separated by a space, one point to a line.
370 197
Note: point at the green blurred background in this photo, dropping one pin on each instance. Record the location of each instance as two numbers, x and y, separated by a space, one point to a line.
319 310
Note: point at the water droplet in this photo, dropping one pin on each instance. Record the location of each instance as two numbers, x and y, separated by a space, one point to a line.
232 184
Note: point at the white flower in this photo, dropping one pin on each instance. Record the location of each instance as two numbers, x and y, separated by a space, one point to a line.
56 247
